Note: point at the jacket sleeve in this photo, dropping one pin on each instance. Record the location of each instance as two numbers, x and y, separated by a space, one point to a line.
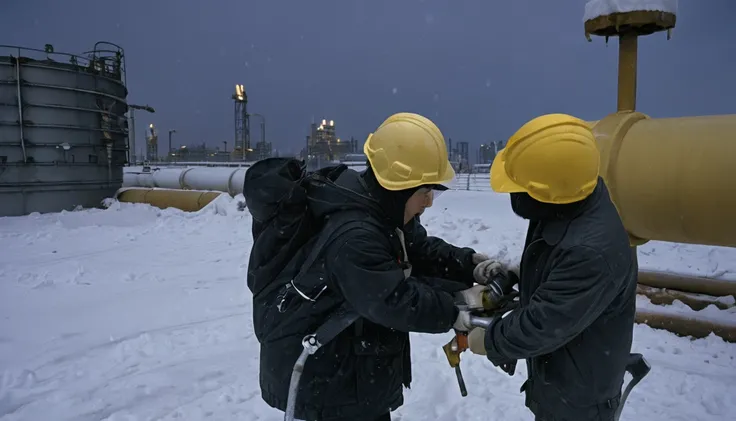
372 281
432 256
576 292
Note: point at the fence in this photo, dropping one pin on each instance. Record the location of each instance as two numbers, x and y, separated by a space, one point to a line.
472 182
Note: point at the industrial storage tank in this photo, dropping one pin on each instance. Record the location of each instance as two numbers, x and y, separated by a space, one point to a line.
63 128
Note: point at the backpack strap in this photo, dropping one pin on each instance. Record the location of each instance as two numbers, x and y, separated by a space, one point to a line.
337 322
328 234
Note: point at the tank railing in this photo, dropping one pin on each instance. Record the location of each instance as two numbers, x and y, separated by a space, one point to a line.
107 63
119 55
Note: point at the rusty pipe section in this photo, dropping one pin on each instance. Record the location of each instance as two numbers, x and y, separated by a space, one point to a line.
683 325
186 200
671 178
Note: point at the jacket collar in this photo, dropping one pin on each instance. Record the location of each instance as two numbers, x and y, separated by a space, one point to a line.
554 231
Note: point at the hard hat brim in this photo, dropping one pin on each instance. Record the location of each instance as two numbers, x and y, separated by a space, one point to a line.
500 181
448 176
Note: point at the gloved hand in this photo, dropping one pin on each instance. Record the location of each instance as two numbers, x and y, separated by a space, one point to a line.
462 323
479 257
471 297
477 341
487 269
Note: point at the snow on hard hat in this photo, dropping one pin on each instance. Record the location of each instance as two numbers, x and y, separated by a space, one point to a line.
407 151
554 158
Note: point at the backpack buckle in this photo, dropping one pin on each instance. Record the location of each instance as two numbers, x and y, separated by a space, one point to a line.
305 296
311 343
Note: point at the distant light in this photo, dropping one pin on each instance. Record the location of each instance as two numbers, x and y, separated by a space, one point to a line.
324 123
239 92
150 126
332 123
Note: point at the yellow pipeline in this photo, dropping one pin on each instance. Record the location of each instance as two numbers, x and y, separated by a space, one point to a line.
186 200
672 179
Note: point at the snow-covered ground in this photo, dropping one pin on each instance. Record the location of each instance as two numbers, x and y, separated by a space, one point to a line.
135 313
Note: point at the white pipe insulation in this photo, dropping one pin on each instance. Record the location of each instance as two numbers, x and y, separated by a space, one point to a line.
228 180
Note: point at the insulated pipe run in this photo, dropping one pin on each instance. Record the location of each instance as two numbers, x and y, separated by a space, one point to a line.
227 180
186 200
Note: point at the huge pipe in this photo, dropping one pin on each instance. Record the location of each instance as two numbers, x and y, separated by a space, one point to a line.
671 178
228 180
186 200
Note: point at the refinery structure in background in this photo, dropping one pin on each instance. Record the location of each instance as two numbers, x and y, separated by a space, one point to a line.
243 149
324 147
487 152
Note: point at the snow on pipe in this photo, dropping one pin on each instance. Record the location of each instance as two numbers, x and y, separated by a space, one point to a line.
697 302
688 284
227 180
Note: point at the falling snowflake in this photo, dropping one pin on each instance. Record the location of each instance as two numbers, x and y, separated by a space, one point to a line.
395 91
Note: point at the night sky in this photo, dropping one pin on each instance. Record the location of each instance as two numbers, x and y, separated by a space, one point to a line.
478 68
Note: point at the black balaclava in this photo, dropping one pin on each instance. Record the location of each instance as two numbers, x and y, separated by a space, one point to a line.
529 208
393 203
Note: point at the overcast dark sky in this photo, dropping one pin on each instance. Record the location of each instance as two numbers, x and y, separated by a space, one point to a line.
478 68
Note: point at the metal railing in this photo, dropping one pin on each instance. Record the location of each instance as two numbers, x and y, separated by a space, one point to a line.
472 182
106 59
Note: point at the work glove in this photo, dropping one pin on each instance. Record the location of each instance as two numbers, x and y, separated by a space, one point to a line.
462 323
471 298
477 341
487 269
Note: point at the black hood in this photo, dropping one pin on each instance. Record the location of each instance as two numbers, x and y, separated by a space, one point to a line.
529 208
354 190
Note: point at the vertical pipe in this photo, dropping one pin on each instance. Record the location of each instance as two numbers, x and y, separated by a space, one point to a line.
20 108
131 137
627 52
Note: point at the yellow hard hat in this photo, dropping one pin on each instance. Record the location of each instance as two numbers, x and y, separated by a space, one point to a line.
406 151
554 158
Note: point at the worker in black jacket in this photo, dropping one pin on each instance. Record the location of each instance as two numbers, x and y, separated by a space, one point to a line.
578 274
398 279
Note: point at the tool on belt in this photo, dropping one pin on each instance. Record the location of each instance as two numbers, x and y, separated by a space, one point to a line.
498 298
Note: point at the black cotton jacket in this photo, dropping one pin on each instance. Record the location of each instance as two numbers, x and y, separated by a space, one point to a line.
578 298
360 374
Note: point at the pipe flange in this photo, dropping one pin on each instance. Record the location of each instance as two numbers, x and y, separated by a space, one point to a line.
182 183
610 133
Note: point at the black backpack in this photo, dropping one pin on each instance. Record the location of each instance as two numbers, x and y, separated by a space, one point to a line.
276 194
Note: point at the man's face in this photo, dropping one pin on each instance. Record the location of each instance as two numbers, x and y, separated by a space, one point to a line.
417 203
